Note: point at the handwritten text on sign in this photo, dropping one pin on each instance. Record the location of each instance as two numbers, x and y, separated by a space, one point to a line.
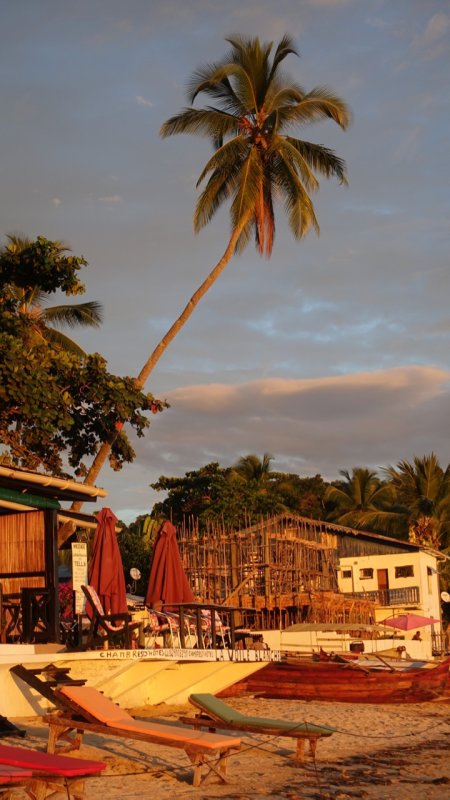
79 574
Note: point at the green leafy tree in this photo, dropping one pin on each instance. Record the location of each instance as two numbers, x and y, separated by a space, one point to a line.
252 107
137 553
56 406
217 495
190 496
304 496
32 299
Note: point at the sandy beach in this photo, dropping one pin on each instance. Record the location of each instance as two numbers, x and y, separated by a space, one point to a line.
378 752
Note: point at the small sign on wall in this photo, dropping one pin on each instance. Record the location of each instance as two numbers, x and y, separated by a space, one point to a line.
79 574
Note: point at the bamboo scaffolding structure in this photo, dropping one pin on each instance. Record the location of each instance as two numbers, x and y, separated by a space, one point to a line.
284 568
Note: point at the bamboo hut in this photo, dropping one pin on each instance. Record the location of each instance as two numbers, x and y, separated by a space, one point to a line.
30 513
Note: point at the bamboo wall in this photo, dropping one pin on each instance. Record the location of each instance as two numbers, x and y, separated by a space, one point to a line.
22 551
283 568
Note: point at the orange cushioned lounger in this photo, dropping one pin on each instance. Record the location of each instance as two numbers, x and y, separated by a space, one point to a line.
100 714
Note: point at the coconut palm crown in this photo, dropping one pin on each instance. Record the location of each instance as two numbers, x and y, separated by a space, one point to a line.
256 162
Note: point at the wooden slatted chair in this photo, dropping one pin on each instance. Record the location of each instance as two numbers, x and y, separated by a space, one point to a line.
217 715
110 628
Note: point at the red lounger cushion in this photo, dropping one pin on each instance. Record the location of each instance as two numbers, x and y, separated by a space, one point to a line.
13 774
37 760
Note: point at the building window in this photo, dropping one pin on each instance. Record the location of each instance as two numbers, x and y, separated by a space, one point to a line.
346 573
404 572
366 573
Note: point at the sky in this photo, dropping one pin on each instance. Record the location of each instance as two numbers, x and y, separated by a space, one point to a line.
334 353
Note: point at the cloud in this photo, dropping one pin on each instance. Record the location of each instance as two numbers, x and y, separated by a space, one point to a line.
141 101
430 41
56 201
111 199
329 3
311 425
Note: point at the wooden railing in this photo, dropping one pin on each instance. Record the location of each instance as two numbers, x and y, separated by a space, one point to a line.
391 597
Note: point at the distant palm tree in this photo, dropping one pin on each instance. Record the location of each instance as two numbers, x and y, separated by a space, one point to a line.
255 162
362 501
32 300
252 468
423 493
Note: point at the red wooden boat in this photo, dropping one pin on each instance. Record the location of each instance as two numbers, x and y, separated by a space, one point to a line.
348 681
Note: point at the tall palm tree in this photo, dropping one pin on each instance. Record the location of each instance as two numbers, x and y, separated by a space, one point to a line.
362 501
423 492
31 302
255 162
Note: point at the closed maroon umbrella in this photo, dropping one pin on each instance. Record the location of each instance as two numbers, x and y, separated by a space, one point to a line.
168 583
105 567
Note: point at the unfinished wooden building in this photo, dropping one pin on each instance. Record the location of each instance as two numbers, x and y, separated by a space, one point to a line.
283 570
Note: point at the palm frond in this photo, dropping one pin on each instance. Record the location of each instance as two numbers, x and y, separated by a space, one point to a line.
320 158
285 48
299 163
280 96
320 103
58 339
209 122
214 80
298 204
223 182
229 154
81 314
250 180
219 187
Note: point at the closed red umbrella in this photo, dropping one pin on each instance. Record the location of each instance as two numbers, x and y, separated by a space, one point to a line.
407 622
105 567
167 583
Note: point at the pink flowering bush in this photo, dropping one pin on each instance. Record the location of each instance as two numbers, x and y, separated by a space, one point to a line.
65 596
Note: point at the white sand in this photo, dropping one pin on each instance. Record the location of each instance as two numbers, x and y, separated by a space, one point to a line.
390 752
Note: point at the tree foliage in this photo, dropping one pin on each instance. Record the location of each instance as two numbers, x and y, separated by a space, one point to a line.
422 490
55 406
31 299
362 500
234 498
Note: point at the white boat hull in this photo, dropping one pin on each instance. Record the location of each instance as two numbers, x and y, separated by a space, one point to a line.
132 678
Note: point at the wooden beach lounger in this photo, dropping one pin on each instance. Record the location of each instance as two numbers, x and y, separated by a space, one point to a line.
83 708
89 710
215 714
39 774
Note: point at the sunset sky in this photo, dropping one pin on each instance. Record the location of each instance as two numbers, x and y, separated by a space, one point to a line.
333 354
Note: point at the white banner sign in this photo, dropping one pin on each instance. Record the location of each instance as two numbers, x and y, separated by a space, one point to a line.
79 574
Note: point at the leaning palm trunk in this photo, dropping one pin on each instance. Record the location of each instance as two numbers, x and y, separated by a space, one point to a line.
254 162
168 337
